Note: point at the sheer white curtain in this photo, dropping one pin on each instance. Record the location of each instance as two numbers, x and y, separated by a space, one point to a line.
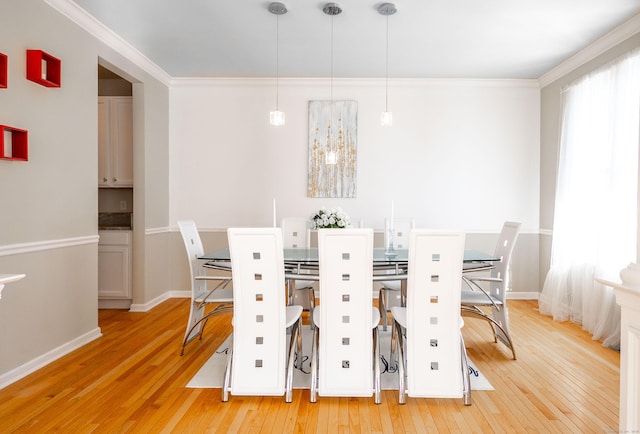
594 229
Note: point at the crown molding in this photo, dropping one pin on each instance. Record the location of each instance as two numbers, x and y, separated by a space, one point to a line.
107 36
199 82
606 42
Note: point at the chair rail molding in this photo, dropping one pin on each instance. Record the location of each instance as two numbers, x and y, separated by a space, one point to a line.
37 246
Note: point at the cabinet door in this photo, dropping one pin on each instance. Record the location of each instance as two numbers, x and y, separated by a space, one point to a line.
104 138
122 142
114 279
115 141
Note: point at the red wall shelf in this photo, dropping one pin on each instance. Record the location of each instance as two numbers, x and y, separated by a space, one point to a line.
14 143
3 70
43 68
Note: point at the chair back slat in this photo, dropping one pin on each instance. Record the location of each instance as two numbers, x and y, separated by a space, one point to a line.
401 229
433 314
193 244
504 249
259 318
345 346
296 233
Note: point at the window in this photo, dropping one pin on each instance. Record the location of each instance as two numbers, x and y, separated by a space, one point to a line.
595 223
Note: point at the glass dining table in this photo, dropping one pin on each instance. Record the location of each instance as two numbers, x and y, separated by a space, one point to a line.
303 263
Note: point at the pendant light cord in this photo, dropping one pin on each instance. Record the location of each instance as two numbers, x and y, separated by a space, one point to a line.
386 84
277 61
331 9
332 60
277 117
331 126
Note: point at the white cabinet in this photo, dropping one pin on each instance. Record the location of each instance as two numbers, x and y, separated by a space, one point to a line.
115 141
114 265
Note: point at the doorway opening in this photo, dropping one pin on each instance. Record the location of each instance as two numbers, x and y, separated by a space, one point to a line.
115 190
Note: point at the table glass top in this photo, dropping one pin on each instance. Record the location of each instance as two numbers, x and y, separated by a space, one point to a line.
311 256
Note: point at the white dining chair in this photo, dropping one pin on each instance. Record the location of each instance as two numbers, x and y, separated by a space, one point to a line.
491 304
345 358
218 294
389 293
296 234
261 358
432 357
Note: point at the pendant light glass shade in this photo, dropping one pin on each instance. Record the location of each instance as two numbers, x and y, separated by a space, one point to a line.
386 119
276 117
330 158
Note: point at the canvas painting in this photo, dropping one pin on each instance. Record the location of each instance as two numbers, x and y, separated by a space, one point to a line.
333 128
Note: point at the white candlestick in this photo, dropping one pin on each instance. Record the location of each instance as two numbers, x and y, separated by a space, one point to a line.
387 234
274 213
391 222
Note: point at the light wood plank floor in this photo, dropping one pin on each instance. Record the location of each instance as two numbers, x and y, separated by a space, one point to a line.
133 380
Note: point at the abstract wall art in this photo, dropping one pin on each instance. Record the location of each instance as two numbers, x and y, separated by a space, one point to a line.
333 130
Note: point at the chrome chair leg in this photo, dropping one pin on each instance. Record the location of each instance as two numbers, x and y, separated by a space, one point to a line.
382 306
394 342
203 322
313 397
402 388
466 381
299 344
295 341
376 366
478 313
312 305
226 386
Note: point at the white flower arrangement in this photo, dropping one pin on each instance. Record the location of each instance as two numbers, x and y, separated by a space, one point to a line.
330 218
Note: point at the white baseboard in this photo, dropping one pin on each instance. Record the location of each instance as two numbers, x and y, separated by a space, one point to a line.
49 357
146 307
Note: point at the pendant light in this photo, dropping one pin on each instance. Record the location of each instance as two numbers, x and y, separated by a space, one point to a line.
331 9
277 117
386 119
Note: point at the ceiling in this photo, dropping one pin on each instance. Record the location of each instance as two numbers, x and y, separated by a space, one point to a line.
427 38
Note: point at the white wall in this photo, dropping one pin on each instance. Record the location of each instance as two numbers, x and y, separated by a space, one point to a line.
47 210
49 206
461 153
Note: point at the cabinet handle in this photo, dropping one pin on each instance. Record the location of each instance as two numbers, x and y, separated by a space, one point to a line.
104 179
115 180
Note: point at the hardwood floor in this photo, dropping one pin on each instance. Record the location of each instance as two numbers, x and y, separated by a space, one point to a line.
133 380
